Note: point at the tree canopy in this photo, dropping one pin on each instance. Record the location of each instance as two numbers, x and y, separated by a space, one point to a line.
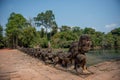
1 37
16 22
46 19
23 32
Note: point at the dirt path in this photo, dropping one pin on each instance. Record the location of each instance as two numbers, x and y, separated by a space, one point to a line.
15 65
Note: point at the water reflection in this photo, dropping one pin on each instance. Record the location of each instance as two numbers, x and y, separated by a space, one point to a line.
96 56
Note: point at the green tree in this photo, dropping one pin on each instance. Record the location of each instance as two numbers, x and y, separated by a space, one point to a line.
116 31
116 34
40 41
28 35
97 39
1 32
108 41
65 28
1 37
42 32
63 39
77 30
13 28
54 29
47 20
89 31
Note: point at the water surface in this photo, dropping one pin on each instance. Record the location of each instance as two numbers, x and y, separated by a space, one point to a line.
97 56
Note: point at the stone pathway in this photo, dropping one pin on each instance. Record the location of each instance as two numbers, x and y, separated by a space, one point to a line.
15 65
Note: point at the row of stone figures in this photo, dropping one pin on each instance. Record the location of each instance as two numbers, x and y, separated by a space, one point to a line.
47 55
74 56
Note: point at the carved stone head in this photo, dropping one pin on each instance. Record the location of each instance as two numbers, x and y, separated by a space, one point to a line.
84 44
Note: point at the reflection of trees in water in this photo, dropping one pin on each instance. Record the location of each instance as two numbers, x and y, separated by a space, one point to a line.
116 51
96 56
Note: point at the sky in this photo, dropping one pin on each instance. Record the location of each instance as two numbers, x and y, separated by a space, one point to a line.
101 15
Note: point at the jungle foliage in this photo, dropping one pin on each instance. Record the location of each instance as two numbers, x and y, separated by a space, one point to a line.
22 32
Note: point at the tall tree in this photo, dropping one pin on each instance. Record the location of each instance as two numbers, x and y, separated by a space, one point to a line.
63 39
42 32
77 30
28 35
108 40
1 32
45 19
65 28
116 34
13 28
54 29
89 31
116 31
1 37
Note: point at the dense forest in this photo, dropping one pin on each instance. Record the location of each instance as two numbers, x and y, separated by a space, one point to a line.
22 32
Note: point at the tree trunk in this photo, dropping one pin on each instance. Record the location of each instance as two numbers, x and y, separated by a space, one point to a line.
46 33
16 42
13 43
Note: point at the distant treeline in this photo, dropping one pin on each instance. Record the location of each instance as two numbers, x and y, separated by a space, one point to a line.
22 32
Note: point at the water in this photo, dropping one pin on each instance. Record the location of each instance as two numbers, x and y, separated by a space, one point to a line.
97 56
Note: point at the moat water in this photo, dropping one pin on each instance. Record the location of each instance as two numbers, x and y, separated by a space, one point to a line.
97 56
